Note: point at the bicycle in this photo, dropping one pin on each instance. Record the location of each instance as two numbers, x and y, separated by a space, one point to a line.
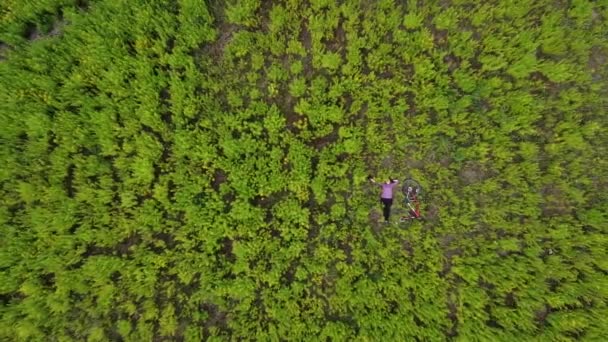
412 191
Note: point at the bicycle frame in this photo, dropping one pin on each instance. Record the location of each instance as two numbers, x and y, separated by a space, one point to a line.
414 213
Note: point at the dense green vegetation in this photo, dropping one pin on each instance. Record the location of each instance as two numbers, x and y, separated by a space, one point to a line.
185 170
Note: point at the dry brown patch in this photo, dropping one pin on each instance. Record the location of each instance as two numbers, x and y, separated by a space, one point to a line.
471 173
555 202
597 64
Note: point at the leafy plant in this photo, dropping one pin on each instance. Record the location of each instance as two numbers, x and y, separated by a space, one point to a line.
198 170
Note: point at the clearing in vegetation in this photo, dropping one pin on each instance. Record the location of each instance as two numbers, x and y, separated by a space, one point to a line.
189 170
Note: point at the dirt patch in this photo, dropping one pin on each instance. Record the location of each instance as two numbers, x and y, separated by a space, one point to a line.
215 50
471 173
226 31
47 280
446 240
305 36
486 285
286 104
410 162
410 99
445 3
3 51
386 75
408 247
215 318
446 161
448 255
263 15
511 300
346 102
11 297
407 70
171 189
348 250
124 247
289 275
167 238
51 142
453 317
483 105
313 227
492 322
465 24
338 42
387 163
362 113
269 201
320 143
219 177
93 250
69 180
115 276
597 64
170 45
374 220
226 249
57 29
555 202
475 63
546 86
30 32
452 61
306 40
82 5
542 314
440 37
165 101
539 76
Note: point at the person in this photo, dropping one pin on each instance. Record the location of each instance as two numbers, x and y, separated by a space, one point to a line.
386 198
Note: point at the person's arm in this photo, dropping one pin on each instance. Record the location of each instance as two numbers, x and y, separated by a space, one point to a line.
394 182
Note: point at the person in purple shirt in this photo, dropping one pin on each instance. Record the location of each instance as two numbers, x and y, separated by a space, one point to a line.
386 198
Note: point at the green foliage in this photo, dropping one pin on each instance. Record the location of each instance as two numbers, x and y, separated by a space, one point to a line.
242 12
193 170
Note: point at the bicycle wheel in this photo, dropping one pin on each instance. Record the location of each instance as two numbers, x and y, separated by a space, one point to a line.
414 185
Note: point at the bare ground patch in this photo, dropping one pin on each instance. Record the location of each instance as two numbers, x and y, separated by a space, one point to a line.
3 51
305 36
338 42
410 99
322 142
471 173
555 202
452 61
286 103
542 314
597 64
374 221
219 177
124 247
216 318
306 40
440 37
225 29
68 181
216 49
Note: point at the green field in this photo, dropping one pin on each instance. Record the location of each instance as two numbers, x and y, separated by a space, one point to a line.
197 170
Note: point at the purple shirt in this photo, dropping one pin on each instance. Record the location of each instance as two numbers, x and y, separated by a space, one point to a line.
387 189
